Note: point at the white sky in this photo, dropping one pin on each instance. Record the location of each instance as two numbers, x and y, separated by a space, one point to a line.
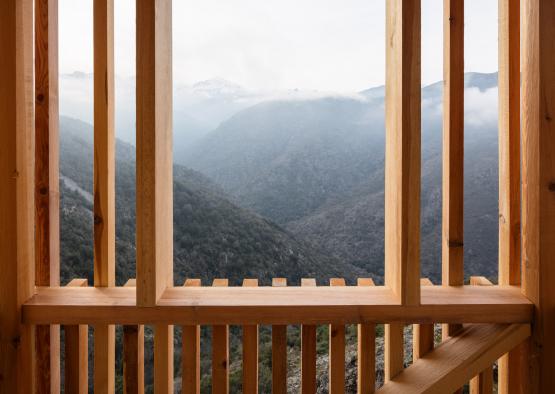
325 45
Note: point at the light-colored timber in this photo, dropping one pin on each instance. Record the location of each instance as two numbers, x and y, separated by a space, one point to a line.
336 351
190 373
279 350
308 350
456 360
366 350
77 353
422 334
250 351
133 355
220 351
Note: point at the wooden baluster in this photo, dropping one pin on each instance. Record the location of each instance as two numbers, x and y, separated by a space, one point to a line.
422 334
279 350
366 367
337 351
308 351
17 205
190 374
402 167
220 352
47 193
77 353
510 365
104 185
133 355
155 173
250 351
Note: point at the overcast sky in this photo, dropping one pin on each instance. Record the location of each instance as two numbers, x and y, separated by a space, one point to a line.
335 45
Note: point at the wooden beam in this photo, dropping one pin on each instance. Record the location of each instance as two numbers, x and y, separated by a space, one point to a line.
133 355
154 150
538 185
308 350
104 184
17 205
220 352
47 192
422 334
483 382
366 350
250 351
77 353
278 305
337 351
279 350
190 373
456 360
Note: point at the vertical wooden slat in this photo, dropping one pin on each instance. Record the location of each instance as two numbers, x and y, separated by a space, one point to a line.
422 334
154 150
133 355
190 373
509 377
483 383
104 185
453 148
17 203
337 351
220 352
250 351
538 186
47 193
163 358
77 353
402 167
279 350
366 350
308 351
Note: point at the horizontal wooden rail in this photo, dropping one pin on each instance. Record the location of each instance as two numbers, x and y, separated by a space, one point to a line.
456 360
278 305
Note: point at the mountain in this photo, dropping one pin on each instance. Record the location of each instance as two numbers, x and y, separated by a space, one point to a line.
315 166
212 236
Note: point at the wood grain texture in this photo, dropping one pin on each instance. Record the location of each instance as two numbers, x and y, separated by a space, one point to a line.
154 150
483 382
279 350
47 193
308 350
366 350
278 305
511 364
402 150
163 358
456 360
422 334
17 205
104 184
336 351
538 185
190 373
220 352
250 351
133 355
77 353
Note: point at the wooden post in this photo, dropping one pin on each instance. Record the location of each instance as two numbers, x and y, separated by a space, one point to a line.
190 374
308 351
422 334
337 351
220 352
366 350
453 149
17 203
104 185
47 192
250 351
509 378
77 353
154 150
279 350
402 167
538 185
133 355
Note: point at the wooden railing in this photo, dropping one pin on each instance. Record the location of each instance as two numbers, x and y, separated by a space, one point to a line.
33 304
